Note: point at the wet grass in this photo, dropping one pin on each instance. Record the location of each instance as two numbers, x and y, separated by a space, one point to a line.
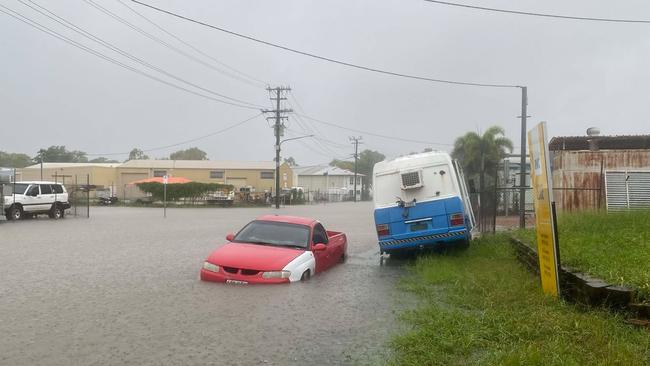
614 247
480 307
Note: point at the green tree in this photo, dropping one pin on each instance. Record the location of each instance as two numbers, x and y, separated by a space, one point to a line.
192 191
342 164
137 154
290 161
59 154
193 153
478 153
102 159
14 160
365 165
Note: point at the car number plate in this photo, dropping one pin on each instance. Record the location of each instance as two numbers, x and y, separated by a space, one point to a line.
236 282
419 226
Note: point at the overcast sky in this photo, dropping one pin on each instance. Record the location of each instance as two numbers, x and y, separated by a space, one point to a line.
579 74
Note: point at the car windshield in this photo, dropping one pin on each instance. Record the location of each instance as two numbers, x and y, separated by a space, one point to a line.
19 188
274 233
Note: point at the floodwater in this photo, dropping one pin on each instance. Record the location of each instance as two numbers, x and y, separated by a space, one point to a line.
122 288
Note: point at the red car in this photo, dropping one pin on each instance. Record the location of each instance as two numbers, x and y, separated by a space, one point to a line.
275 249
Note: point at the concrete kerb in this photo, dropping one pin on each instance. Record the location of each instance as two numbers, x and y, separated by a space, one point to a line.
587 290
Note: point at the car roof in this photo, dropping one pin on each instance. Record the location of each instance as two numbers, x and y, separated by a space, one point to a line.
37 182
288 219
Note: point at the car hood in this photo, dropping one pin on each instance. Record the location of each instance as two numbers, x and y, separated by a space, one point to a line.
253 256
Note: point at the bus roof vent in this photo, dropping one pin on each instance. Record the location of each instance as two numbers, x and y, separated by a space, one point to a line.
412 180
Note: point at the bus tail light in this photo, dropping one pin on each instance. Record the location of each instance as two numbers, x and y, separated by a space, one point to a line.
457 220
383 230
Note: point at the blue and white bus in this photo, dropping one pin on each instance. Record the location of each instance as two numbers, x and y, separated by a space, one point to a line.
421 201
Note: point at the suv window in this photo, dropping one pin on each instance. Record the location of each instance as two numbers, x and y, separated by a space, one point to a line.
32 191
57 188
19 188
46 189
320 235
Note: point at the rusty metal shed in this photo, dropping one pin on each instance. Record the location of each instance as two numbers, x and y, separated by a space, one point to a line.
579 165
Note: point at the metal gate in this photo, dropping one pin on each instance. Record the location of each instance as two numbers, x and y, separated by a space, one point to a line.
626 190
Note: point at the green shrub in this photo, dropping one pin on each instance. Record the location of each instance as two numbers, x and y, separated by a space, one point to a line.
191 191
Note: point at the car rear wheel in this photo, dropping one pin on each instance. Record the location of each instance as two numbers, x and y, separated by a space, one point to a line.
56 212
305 276
15 213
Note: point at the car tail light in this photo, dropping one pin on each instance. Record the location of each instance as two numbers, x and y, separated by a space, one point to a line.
383 230
456 220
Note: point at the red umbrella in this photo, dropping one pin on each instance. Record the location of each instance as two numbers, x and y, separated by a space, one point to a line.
170 180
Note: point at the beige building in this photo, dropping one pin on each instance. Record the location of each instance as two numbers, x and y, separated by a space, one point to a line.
258 176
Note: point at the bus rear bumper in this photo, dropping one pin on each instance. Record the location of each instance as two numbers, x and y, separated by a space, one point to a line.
425 241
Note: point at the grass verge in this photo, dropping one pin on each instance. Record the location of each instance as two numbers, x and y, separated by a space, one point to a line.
614 246
481 307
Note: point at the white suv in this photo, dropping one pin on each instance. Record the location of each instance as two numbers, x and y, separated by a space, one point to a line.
28 199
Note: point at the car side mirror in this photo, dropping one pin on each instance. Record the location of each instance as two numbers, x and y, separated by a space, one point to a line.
230 236
319 247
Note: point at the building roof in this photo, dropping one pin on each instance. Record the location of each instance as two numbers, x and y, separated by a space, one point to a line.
72 165
323 170
629 142
199 164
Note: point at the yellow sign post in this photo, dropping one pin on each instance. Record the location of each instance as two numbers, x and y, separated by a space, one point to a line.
542 184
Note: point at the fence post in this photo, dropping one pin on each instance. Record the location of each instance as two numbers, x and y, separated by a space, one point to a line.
496 199
76 190
87 196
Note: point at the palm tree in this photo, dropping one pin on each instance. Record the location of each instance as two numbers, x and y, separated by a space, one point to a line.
482 153
478 153
479 156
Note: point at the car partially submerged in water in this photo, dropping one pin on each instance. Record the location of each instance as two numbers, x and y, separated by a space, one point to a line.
275 249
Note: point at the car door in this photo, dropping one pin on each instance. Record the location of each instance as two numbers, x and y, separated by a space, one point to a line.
322 257
336 246
31 201
47 197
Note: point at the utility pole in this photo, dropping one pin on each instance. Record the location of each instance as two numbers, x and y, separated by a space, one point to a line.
522 170
355 142
278 128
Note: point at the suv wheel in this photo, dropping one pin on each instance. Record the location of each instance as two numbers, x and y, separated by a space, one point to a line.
56 212
15 213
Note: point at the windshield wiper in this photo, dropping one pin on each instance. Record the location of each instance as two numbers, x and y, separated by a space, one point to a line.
292 246
253 242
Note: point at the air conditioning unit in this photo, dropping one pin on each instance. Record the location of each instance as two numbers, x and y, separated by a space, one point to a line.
411 180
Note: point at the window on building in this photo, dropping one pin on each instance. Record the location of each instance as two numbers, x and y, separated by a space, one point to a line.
267 175
216 174
159 173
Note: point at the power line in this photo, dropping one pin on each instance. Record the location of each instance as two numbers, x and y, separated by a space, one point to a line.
157 39
324 58
315 128
230 127
373 133
74 43
251 80
559 16
53 16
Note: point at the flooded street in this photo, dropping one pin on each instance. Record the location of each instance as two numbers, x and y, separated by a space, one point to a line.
122 288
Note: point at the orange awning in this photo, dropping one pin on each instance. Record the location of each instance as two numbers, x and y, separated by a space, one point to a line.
170 180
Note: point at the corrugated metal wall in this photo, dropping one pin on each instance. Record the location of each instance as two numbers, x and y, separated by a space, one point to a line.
579 176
